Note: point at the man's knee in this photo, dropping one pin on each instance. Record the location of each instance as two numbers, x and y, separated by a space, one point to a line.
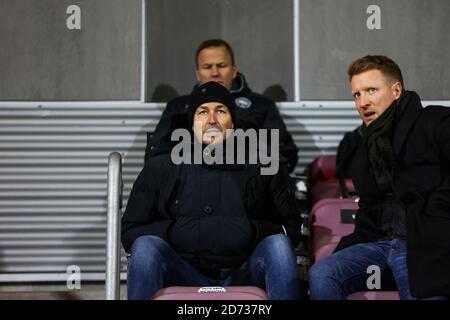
277 242
147 245
320 271
278 245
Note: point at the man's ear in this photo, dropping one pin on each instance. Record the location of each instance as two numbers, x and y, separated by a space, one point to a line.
235 71
397 89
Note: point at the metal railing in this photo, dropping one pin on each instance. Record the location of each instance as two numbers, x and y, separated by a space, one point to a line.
112 278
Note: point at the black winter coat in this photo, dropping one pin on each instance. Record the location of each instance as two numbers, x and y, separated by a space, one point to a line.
211 215
252 111
421 182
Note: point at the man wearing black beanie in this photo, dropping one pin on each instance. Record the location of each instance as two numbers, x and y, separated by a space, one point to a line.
196 224
211 112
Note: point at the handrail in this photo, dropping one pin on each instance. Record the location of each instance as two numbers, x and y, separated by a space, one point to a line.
112 277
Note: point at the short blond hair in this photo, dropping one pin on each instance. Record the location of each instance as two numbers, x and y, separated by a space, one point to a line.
375 62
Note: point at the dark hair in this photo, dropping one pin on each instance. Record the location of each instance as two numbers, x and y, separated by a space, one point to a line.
386 65
214 43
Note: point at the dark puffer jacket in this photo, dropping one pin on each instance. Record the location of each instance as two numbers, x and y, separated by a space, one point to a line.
211 215
421 183
252 111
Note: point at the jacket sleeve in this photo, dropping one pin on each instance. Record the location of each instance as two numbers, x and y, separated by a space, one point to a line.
287 215
141 216
439 200
288 149
346 148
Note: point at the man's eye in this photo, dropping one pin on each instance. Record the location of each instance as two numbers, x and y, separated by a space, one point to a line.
356 95
221 111
202 113
372 90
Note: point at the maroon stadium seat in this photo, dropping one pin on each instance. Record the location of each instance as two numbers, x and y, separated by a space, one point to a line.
327 227
323 182
330 220
374 295
329 189
322 168
211 293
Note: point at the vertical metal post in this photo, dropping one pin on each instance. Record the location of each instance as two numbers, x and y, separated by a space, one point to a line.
112 277
144 52
296 16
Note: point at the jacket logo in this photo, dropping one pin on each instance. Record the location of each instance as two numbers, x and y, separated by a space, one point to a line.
243 102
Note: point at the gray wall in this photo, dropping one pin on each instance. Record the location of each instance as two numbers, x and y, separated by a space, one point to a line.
262 37
413 32
252 27
175 29
41 59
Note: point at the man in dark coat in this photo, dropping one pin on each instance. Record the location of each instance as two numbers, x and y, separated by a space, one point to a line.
215 62
400 166
214 224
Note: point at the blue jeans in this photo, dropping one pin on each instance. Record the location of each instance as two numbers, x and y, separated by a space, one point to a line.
272 266
345 272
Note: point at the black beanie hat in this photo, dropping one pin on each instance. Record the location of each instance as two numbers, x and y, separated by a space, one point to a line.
210 92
